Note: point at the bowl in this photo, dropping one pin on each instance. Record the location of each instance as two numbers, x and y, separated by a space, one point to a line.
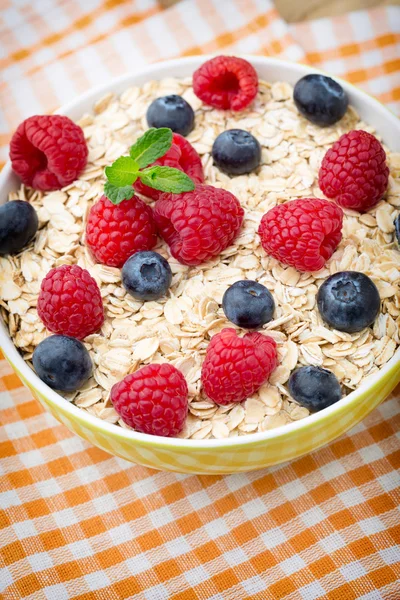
230 455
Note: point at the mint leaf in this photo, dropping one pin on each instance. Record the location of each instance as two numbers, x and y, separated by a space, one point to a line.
152 145
116 194
166 179
123 171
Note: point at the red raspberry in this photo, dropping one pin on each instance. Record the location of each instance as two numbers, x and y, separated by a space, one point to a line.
226 82
48 152
180 156
70 302
302 233
116 231
354 171
198 225
152 400
236 367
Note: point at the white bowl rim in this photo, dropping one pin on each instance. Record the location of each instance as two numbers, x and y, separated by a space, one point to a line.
76 413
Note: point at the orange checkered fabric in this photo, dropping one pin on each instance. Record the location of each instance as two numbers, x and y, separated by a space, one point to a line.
77 523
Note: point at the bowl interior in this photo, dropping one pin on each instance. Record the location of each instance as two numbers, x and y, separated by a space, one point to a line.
270 69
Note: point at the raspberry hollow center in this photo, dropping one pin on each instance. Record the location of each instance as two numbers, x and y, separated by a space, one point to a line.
226 82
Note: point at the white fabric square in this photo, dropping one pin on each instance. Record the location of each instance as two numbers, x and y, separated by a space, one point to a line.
353 571
216 528
65 517
32 458
372 525
158 592
121 534
97 580
332 542
138 564
161 516
40 561
25 529
312 591
391 556
178 547
56 592
254 508
292 564
196 575
254 585
273 537
80 549
235 557
351 497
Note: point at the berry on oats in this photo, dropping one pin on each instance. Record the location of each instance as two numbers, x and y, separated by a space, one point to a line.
153 400
115 232
348 301
236 152
314 387
397 228
248 304
146 275
198 225
236 367
171 111
70 302
62 362
320 99
354 171
48 152
18 226
180 156
226 82
302 233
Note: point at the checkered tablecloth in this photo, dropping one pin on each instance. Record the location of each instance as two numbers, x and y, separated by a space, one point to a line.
78 523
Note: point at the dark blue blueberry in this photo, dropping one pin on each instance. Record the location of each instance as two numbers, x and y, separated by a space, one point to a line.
248 304
171 111
348 301
320 99
146 275
314 387
18 226
62 362
236 152
397 228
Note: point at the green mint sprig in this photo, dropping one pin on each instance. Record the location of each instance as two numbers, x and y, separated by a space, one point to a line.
124 171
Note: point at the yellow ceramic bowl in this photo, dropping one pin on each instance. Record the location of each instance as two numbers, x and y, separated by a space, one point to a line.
236 454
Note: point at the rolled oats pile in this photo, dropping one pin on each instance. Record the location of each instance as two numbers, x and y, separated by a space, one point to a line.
177 328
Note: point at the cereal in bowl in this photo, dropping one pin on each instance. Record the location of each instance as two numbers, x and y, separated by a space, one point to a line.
167 225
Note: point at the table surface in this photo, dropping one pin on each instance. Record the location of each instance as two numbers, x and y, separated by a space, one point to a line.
294 11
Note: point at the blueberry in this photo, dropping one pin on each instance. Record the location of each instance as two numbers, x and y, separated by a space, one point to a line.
248 304
146 275
171 111
397 228
18 226
62 362
314 387
236 152
348 301
320 99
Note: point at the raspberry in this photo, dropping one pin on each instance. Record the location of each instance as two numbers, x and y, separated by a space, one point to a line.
198 225
116 231
236 367
354 171
152 400
48 152
302 233
70 302
180 156
226 82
